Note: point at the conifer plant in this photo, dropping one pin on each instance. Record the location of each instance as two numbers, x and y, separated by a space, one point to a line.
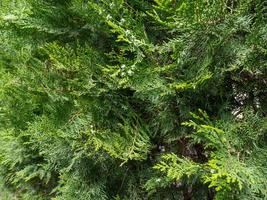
133 99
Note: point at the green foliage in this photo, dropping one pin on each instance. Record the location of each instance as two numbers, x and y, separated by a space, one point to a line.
133 99
227 169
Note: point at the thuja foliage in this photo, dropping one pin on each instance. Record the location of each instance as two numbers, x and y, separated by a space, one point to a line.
133 99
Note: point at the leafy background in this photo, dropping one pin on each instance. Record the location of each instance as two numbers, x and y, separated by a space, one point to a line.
134 99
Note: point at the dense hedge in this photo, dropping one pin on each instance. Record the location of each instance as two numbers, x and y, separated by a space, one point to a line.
133 99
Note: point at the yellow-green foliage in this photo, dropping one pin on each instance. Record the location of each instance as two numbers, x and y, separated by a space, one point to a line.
133 99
